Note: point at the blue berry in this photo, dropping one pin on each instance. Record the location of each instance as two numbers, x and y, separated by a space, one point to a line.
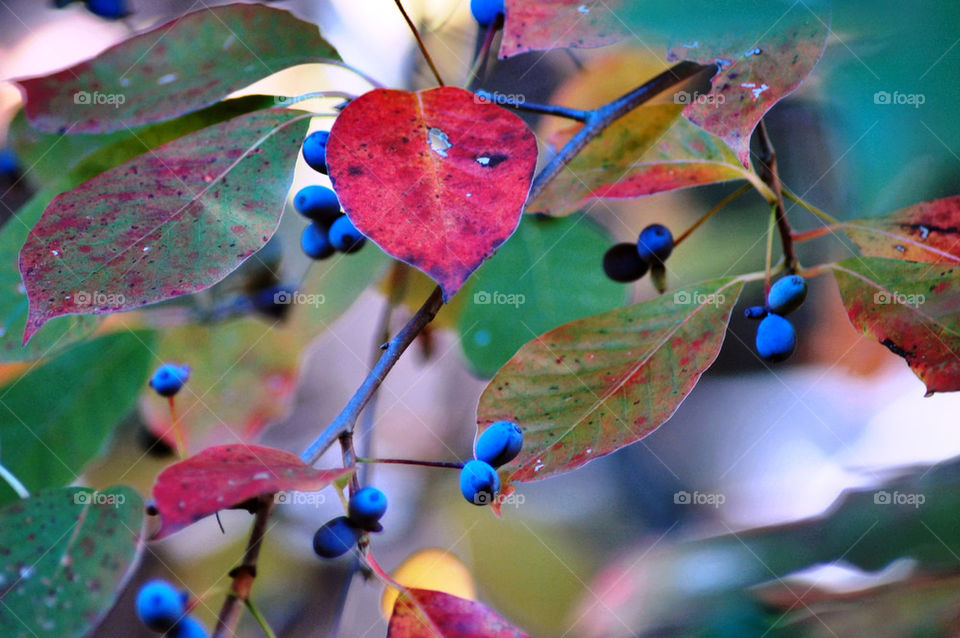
317 203
655 243
786 294
160 605
345 237
169 378
336 537
367 507
776 338
189 627
315 151
755 312
273 301
110 9
315 242
623 263
479 482
9 165
500 443
486 12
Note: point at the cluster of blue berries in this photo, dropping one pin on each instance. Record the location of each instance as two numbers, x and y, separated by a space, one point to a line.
628 262
109 9
776 337
364 511
487 12
169 378
330 230
163 609
497 445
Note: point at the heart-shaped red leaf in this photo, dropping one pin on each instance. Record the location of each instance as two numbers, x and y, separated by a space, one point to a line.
424 612
537 25
758 67
436 178
928 231
227 475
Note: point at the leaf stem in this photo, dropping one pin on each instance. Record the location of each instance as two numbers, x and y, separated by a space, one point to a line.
345 421
770 176
423 47
244 574
814 233
600 118
177 431
14 482
547 109
371 81
481 62
769 257
830 219
456 465
710 213
255 612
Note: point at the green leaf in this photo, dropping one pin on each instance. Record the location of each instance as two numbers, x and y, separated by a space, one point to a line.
649 150
167 223
911 308
65 556
592 386
56 417
184 65
548 273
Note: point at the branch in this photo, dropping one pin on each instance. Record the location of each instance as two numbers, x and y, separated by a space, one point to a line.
770 177
423 47
600 118
546 109
345 421
244 574
455 465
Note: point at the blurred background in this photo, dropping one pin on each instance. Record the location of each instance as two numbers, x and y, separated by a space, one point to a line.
780 531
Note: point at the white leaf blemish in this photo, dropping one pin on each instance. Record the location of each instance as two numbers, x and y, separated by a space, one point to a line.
439 142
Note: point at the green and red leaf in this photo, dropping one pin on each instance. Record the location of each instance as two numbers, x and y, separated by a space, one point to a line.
424 612
436 178
538 25
594 385
163 224
65 557
928 231
912 308
226 476
649 150
175 68
758 68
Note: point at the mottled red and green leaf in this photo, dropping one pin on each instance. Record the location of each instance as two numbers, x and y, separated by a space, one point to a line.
421 613
928 231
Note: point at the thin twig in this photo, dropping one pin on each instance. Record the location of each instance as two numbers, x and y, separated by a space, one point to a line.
770 177
830 219
710 213
813 233
600 118
457 465
768 261
481 62
547 109
395 347
264 625
423 47
244 574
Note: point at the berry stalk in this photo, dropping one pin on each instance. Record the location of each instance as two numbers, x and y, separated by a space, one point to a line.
770 177
423 47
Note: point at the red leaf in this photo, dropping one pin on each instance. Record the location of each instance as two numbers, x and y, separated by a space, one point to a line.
757 70
172 69
423 612
224 476
536 25
928 231
436 178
